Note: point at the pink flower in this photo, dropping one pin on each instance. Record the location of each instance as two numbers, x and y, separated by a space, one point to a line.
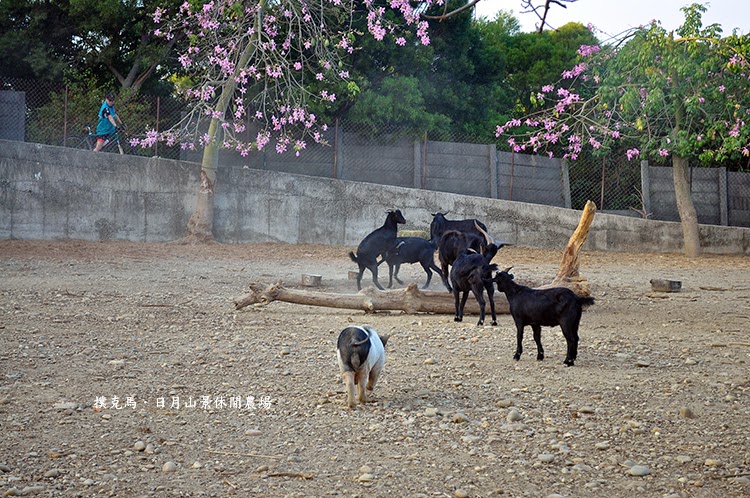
663 152
631 153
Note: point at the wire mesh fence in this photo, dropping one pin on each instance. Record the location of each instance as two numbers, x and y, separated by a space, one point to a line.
393 155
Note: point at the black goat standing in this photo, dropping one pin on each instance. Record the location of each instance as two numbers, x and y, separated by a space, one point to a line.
376 243
454 242
473 272
411 250
440 224
543 307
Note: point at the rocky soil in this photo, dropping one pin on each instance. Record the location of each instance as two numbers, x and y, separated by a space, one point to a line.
126 371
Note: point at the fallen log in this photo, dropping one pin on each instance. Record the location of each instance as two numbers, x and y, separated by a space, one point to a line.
409 300
412 299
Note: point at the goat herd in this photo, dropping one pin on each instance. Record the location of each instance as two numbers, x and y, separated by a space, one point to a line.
468 249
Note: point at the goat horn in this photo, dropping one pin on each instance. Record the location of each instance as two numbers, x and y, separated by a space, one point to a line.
486 235
508 269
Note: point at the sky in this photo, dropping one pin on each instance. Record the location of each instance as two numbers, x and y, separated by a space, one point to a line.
612 17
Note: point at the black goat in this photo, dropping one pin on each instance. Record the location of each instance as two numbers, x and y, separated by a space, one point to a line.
440 224
376 243
453 242
473 272
411 250
543 307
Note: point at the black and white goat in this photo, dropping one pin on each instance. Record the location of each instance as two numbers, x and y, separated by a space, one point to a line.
411 250
473 272
376 243
543 308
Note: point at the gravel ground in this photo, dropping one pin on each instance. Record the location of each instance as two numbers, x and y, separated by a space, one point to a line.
126 371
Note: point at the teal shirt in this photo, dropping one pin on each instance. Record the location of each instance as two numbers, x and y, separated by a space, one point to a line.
104 127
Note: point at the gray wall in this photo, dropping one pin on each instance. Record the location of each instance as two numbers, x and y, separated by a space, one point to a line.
460 168
50 192
12 115
720 197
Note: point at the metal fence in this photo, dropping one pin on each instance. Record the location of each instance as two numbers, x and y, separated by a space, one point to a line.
452 162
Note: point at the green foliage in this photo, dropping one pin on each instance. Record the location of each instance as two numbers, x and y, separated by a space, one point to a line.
658 94
535 59
398 102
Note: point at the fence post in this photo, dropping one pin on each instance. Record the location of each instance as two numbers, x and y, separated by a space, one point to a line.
492 163
723 197
601 195
565 176
645 188
65 118
512 172
338 152
158 115
419 181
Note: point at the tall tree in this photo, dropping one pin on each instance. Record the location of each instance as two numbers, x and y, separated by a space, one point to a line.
253 61
36 39
680 95
82 40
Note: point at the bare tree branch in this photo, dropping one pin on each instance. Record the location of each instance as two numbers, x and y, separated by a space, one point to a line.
530 7
447 15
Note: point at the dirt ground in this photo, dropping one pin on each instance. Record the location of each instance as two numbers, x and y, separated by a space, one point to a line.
126 371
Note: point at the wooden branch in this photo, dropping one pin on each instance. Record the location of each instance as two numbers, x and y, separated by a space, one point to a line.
568 274
409 300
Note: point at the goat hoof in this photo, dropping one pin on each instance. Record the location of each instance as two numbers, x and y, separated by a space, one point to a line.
494 324
480 323
516 357
539 357
457 319
568 363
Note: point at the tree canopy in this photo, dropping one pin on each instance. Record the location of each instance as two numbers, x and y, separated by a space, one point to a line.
679 95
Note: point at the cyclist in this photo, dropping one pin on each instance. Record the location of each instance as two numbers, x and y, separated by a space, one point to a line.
108 120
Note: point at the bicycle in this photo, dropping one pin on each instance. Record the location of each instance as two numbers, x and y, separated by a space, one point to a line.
112 142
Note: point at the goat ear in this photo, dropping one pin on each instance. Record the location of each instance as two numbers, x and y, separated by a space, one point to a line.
384 339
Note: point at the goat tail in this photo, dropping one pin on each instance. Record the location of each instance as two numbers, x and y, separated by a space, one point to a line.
352 256
586 301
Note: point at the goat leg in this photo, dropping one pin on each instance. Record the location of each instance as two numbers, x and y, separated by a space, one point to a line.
395 274
374 270
459 305
480 300
491 296
519 342
571 338
538 339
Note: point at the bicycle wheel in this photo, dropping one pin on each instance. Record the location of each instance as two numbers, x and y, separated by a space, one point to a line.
87 143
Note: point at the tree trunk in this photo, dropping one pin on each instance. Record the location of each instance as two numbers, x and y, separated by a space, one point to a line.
568 271
685 207
200 226
201 223
410 300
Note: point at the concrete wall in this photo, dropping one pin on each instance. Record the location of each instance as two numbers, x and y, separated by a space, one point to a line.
720 197
50 192
459 168
12 115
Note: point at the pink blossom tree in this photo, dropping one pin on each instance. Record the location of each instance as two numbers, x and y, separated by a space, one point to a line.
254 62
681 95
